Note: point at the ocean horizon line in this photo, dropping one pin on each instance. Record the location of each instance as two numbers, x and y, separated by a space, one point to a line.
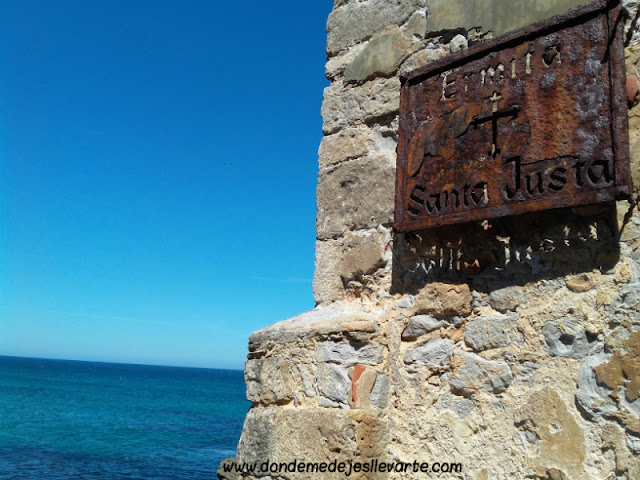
22 357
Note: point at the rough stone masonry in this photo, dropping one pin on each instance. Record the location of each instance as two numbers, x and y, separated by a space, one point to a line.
510 346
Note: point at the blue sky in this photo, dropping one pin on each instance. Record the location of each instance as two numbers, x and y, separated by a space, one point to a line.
158 164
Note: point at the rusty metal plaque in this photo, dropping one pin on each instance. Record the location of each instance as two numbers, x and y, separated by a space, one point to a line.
532 120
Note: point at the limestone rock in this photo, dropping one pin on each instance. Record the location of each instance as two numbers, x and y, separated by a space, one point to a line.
566 338
506 299
380 392
626 305
579 283
592 398
362 254
334 383
385 51
346 105
459 42
406 303
493 332
497 16
435 353
327 284
349 200
307 377
356 21
269 380
420 325
474 373
347 144
328 320
559 440
282 435
444 300
349 353
460 406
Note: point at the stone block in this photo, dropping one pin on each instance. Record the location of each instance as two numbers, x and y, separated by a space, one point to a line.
329 320
474 373
363 254
380 392
356 195
357 21
383 54
327 284
497 16
285 434
444 300
484 333
435 353
334 383
355 256
560 442
566 338
307 377
421 325
348 105
349 353
506 299
269 380
347 144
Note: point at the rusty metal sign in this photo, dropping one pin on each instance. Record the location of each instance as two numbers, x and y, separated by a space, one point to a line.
532 120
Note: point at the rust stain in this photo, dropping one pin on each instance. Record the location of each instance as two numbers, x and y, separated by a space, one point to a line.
532 120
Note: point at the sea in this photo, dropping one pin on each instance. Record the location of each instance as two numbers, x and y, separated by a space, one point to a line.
63 420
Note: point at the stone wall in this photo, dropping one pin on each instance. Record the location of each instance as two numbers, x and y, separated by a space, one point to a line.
510 346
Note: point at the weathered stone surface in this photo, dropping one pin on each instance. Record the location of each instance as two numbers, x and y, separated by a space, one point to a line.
380 392
474 373
269 380
422 57
349 353
566 338
621 373
347 144
349 200
420 325
307 377
381 56
435 353
363 254
334 383
626 305
559 441
385 51
579 283
459 42
444 300
460 406
497 16
630 230
327 284
592 398
347 105
357 21
320 321
493 332
406 303
506 299
356 258
282 435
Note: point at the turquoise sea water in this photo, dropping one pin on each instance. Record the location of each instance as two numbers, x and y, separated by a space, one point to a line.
84 420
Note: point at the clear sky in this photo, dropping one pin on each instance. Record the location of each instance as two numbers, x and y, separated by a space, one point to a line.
158 164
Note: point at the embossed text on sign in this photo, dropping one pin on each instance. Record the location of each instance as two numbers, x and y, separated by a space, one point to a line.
532 120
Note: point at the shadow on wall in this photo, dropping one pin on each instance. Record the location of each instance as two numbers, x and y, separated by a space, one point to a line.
508 251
